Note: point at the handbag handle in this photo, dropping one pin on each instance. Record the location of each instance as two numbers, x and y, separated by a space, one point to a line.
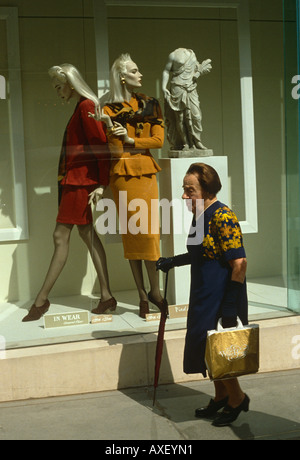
238 326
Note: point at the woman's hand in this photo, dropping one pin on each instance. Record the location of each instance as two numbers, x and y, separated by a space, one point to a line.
96 195
165 264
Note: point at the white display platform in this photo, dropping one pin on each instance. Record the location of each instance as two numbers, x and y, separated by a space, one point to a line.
173 243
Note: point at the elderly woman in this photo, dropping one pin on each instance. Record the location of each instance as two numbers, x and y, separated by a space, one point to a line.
83 174
135 125
218 285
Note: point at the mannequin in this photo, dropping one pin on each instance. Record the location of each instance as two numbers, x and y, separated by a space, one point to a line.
135 125
82 176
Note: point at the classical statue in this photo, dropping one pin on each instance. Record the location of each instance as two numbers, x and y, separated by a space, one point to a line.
182 106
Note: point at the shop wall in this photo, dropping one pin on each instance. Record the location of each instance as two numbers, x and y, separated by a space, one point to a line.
56 32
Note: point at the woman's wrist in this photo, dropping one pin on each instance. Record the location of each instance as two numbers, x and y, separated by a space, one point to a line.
232 299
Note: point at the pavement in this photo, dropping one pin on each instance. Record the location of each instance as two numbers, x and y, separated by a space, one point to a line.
126 420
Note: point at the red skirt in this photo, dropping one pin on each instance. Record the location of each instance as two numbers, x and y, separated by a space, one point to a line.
74 208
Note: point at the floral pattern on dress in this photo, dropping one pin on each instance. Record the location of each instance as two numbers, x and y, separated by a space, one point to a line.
224 234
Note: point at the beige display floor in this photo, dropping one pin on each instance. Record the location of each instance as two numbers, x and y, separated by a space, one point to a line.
265 302
125 321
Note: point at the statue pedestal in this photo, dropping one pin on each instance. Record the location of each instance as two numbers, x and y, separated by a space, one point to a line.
174 242
190 153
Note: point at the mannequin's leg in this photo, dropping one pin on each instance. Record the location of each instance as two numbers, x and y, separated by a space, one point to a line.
137 271
97 252
61 238
153 275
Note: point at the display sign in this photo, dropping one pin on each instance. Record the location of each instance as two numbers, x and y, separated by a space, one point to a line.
175 311
178 311
77 318
152 316
101 319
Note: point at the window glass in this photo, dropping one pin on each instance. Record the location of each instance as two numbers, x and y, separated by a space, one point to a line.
54 33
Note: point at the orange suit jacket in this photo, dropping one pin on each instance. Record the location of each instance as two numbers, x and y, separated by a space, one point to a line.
137 160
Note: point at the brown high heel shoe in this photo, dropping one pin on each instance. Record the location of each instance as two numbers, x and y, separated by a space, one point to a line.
161 304
35 313
110 304
144 308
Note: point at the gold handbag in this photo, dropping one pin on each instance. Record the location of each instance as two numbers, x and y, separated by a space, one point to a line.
232 352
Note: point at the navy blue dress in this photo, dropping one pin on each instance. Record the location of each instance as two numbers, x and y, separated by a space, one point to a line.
210 273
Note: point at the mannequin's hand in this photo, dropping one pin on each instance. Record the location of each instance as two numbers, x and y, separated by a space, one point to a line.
96 195
120 131
99 115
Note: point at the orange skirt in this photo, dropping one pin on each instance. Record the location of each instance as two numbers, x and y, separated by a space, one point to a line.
138 215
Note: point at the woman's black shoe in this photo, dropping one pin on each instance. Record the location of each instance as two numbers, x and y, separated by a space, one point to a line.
211 409
230 414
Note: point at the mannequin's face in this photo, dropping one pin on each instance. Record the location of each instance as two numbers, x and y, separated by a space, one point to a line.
133 77
64 90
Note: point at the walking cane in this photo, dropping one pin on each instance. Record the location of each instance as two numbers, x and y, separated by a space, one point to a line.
160 338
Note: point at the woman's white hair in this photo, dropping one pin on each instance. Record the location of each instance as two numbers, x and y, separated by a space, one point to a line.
118 69
67 73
